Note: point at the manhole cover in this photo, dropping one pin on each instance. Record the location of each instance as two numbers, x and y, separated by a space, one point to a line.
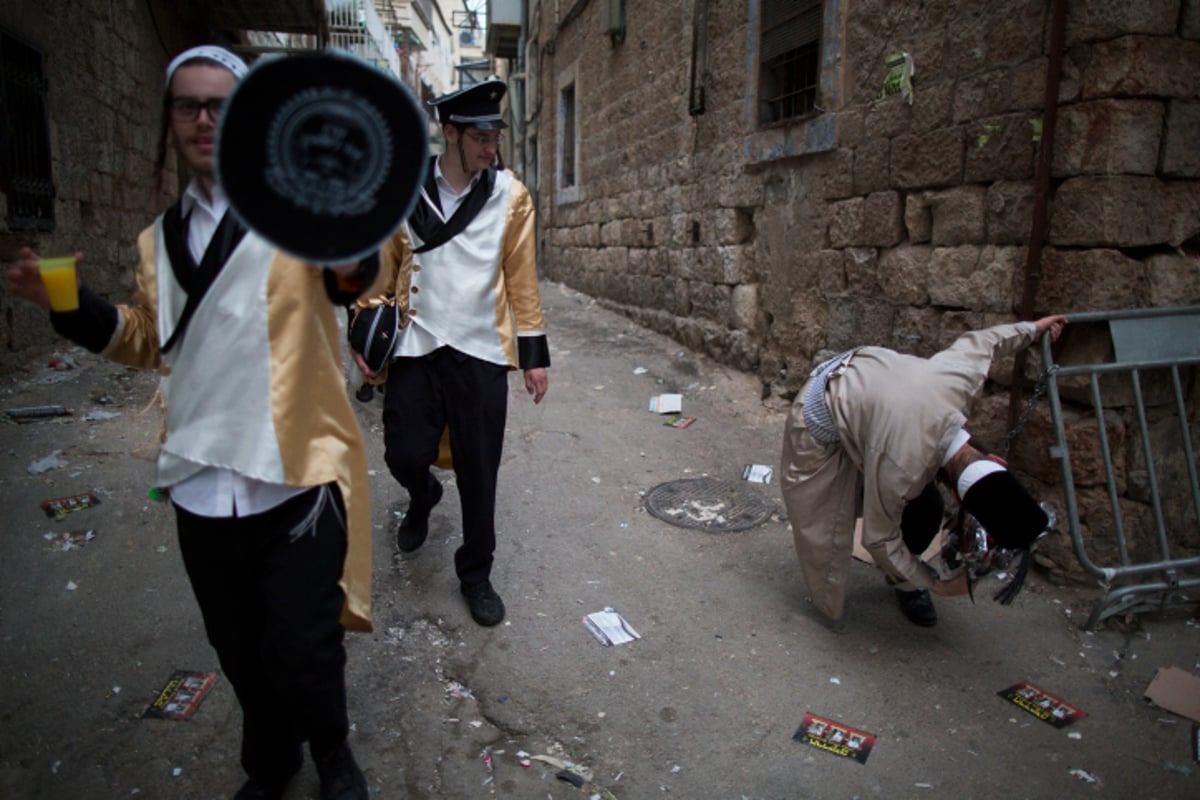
708 504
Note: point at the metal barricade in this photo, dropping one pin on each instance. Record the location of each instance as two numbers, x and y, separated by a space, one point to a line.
1145 342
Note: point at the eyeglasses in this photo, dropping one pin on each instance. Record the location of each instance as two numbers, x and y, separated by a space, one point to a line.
485 141
187 109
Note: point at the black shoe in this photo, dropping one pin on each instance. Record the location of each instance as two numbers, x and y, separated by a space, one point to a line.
365 393
270 787
486 606
918 607
341 779
257 790
415 525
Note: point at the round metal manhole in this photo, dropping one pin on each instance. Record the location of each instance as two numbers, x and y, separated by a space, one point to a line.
708 504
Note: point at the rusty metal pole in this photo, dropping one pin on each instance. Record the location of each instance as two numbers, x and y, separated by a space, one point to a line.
1037 234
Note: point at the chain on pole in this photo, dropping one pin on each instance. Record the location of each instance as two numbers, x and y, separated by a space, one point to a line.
1039 389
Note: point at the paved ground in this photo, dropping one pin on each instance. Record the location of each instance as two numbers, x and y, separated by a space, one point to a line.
703 706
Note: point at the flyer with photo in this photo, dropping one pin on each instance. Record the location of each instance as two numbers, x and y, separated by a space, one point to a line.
59 507
835 737
181 695
1041 704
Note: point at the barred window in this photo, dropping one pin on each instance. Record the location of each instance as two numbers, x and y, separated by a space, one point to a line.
789 59
567 104
25 175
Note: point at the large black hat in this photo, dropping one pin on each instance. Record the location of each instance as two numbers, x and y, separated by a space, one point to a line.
1006 511
477 106
322 154
373 332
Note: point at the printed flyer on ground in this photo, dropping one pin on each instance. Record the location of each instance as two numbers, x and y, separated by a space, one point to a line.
835 737
181 695
1042 705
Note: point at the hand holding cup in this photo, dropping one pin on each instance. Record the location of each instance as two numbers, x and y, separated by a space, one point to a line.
49 283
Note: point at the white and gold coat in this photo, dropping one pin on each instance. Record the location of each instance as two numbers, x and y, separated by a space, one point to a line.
477 292
261 366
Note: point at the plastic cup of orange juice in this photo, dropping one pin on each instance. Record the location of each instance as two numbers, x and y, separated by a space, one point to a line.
59 276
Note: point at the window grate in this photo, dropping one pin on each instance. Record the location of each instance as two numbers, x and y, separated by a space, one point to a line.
790 60
25 177
568 136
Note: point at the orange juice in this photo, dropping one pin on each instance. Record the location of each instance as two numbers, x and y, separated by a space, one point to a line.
59 276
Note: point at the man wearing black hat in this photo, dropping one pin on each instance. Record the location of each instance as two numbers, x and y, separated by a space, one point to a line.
462 272
867 435
262 456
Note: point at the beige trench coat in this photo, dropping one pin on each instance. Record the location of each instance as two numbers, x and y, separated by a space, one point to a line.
895 415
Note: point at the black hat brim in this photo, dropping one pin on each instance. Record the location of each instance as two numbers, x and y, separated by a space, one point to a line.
372 334
1006 511
321 154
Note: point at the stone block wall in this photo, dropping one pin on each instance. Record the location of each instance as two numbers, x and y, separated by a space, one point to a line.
876 221
104 65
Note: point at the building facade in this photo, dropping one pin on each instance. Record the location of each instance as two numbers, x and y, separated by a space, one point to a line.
80 110
772 181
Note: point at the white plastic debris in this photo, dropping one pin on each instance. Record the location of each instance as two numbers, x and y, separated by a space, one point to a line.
48 463
1084 775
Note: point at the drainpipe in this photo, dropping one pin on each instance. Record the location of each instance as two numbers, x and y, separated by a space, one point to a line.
699 58
1037 235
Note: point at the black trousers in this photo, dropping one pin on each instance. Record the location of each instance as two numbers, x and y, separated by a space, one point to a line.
423 396
922 519
272 606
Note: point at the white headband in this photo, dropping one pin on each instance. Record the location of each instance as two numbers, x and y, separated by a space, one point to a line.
974 472
225 58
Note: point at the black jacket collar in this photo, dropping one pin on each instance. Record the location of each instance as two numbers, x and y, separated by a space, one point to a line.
194 279
427 222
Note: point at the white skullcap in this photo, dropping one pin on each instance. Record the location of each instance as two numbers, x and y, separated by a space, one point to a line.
974 473
228 60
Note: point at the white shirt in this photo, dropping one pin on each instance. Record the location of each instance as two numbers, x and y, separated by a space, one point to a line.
216 492
414 339
203 216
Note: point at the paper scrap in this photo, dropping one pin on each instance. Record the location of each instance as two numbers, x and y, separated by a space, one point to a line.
899 77
609 627
666 404
69 540
758 473
52 461
1176 690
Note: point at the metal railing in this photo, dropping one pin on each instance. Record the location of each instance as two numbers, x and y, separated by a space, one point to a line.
1146 342
355 26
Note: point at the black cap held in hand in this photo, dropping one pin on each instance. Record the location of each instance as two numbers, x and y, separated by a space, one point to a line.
1006 511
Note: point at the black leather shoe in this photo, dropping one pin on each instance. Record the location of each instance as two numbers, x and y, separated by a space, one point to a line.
918 607
257 790
341 779
270 787
415 525
486 606
365 393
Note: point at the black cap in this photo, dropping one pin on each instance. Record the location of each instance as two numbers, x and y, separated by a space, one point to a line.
477 106
1006 511
322 154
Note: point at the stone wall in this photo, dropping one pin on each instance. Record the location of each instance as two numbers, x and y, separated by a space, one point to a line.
104 63
877 221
